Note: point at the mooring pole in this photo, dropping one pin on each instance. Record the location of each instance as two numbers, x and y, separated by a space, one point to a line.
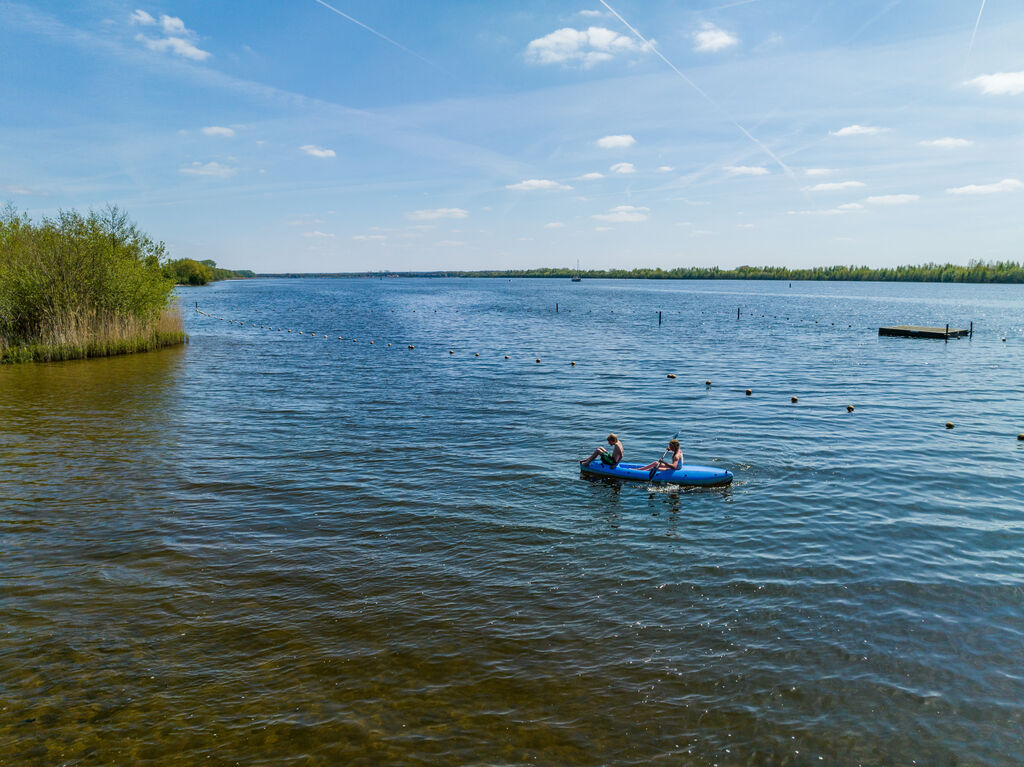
947 332
659 319
737 312
556 307
971 331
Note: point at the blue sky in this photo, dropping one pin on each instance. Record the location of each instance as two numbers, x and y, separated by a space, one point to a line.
357 134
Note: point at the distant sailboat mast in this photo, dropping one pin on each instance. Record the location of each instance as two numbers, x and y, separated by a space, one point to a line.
577 277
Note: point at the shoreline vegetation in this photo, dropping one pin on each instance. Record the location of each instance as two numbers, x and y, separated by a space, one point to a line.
186 271
78 286
995 272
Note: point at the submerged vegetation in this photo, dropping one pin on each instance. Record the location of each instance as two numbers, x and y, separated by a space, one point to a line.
976 271
78 286
186 271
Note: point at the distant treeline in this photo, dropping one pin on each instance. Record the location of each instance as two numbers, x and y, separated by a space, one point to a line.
976 271
186 271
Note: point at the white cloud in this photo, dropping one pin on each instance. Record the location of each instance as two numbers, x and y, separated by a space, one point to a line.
214 169
834 186
591 176
15 189
436 213
582 47
450 243
1006 185
892 199
850 206
616 142
533 184
174 26
746 170
315 151
370 237
858 130
317 235
603 228
591 14
554 225
624 214
1000 83
711 39
948 143
665 169
819 171
623 167
178 39
176 45
217 130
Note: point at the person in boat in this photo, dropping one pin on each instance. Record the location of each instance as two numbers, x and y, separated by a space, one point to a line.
675 459
610 456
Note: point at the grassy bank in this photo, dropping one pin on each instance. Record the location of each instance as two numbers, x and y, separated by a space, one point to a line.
78 286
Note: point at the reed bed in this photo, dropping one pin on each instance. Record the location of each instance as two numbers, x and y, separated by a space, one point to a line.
83 337
78 286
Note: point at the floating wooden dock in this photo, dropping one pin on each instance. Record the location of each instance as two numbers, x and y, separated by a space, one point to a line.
920 331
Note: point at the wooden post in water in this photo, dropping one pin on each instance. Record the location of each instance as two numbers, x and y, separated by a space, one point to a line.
659 319
556 307
970 333
737 312
947 332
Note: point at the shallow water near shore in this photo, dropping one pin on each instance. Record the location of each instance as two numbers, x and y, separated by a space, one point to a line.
273 548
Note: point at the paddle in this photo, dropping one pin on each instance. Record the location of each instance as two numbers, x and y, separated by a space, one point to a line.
656 465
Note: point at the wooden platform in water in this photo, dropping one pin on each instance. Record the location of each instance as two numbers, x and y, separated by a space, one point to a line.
920 331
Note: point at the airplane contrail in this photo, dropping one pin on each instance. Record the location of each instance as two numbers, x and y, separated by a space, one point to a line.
378 34
700 90
975 32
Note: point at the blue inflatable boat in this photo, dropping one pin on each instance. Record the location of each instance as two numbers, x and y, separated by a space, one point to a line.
699 476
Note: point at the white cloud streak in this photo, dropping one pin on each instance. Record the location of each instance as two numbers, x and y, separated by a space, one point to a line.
212 169
1006 185
835 186
948 143
711 39
892 199
591 176
536 184
858 130
217 130
624 214
615 142
317 151
1000 83
436 213
746 170
623 167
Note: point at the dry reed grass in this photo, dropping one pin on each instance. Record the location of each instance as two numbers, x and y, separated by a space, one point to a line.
78 336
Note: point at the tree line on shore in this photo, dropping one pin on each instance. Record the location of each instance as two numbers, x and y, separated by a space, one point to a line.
1006 272
187 271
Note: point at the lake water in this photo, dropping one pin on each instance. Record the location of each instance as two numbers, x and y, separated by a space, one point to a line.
268 548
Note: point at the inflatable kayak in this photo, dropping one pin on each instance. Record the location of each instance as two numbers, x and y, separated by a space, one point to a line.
700 476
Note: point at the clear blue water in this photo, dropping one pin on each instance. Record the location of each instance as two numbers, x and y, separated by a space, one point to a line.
272 548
